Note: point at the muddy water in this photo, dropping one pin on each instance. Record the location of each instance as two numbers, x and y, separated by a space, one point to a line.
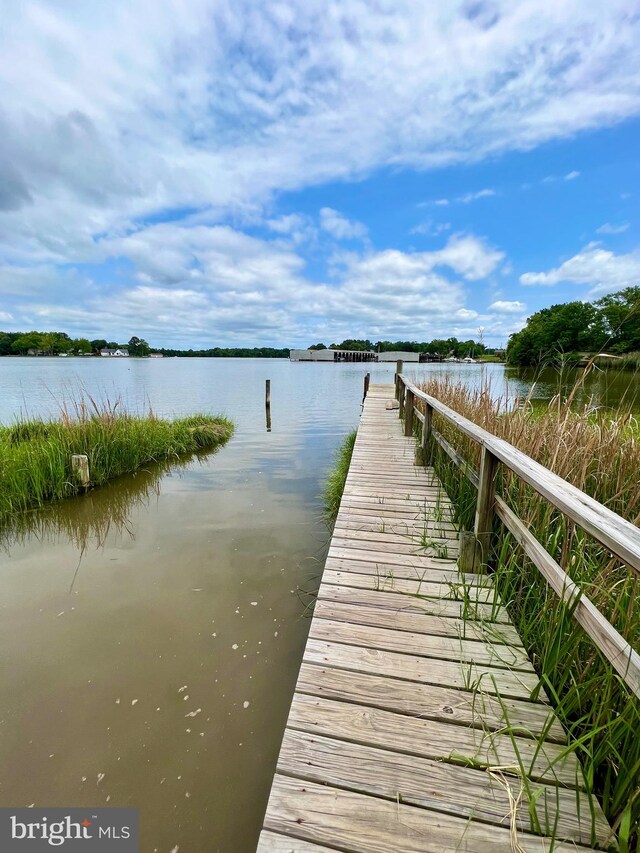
151 632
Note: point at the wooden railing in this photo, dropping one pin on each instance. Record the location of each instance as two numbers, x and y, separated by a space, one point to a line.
618 536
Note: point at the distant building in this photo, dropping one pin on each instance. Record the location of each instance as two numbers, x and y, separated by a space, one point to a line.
332 355
35 352
121 352
156 355
335 355
398 356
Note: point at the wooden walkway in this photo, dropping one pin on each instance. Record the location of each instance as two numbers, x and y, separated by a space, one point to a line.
413 726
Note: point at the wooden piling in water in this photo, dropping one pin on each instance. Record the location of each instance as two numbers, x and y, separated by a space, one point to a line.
80 468
267 403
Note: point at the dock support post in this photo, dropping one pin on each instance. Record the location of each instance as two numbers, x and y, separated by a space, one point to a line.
80 468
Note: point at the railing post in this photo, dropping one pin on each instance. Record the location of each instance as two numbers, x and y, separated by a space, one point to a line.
426 431
402 398
398 372
485 506
408 419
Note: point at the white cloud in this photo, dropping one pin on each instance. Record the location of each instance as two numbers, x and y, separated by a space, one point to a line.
571 176
469 197
612 228
431 228
469 256
217 285
110 114
441 202
502 306
603 270
334 223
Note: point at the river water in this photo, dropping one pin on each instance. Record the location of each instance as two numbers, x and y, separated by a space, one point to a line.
151 631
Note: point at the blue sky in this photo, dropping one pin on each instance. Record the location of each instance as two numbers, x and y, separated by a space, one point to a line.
278 174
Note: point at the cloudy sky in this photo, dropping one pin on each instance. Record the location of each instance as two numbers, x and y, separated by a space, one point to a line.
232 172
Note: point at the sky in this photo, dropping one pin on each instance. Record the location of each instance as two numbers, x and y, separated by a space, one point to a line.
230 173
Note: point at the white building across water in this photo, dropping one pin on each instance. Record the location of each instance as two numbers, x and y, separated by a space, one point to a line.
333 355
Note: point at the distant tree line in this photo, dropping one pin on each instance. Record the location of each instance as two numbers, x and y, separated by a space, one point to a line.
228 352
438 346
611 324
56 343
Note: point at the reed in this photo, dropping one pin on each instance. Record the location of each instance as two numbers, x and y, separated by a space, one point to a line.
599 453
35 455
334 486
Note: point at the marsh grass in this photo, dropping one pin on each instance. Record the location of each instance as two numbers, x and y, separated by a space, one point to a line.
599 452
334 486
35 455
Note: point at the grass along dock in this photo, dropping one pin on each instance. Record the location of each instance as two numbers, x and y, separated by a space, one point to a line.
418 722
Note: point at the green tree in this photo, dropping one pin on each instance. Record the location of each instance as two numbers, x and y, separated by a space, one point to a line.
27 341
98 344
566 328
138 346
621 316
81 345
318 346
5 343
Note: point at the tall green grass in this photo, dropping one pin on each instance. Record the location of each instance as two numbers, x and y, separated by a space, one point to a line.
334 486
600 454
35 455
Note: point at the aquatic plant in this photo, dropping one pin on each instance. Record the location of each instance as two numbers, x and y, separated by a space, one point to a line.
336 480
35 455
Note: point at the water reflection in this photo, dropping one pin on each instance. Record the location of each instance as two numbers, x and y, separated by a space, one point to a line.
86 521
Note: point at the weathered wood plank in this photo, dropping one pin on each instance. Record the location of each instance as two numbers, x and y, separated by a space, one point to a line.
515 684
459 745
460 791
422 645
419 539
448 705
360 824
412 572
398 601
456 591
421 623
274 842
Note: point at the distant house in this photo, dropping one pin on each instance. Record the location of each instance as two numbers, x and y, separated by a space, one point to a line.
33 351
121 352
156 355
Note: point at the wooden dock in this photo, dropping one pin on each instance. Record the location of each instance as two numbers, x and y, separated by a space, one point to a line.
416 724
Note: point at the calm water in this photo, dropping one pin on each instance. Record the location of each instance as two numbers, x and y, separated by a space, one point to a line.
151 631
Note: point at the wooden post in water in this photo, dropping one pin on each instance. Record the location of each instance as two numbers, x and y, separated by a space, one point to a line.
80 469
367 379
267 403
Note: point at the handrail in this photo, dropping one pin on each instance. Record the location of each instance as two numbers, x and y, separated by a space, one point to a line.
614 532
609 529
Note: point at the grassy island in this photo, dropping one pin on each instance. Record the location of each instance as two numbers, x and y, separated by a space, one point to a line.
35 455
